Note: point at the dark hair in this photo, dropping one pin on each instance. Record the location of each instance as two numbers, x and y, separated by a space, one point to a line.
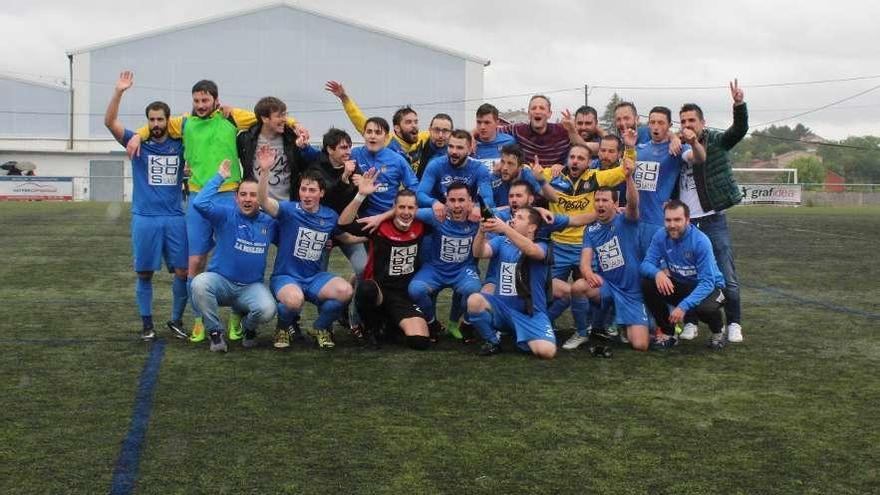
379 121
665 111
615 138
313 174
458 185
462 134
333 137
520 182
404 193
248 180
674 204
400 114
441 116
627 104
513 149
158 105
206 86
269 105
535 218
583 146
587 110
691 107
613 190
486 109
539 96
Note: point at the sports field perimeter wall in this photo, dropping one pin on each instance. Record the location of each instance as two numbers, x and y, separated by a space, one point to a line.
821 198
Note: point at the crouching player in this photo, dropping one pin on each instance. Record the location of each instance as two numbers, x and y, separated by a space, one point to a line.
691 283
614 238
235 274
304 228
392 260
519 303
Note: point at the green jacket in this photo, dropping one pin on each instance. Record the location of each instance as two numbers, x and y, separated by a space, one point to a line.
714 180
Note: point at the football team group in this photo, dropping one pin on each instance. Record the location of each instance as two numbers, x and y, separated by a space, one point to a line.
626 226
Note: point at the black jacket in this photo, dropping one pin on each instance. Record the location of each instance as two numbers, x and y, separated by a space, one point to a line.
247 151
337 194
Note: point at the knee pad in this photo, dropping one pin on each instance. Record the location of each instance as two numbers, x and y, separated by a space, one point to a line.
418 342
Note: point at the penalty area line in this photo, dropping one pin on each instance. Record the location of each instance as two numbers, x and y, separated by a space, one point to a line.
125 472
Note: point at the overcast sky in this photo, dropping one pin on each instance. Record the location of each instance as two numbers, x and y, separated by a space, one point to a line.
560 45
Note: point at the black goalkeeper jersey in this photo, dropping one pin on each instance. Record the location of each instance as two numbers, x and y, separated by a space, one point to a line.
392 254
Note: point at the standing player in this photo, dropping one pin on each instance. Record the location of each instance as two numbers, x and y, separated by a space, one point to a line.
519 303
209 137
235 274
393 170
304 226
439 131
489 142
540 138
381 297
158 229
584 128
691 281
709 189
614 240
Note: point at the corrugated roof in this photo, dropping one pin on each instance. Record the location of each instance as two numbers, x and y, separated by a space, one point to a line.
272 5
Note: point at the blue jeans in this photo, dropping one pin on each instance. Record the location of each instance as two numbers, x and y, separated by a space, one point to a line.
211 290
715 227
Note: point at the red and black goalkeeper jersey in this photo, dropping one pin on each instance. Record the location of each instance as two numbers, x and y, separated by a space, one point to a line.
392 254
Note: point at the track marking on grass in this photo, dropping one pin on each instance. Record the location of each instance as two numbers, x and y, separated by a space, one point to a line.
806 231
126 470
814 302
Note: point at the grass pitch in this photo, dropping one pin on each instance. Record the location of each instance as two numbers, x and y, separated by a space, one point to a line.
793 409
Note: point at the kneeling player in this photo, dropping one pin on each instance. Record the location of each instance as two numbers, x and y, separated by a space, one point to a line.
304 228
519 303
615 240
392 260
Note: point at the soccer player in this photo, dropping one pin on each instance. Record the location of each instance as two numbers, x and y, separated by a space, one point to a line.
657 172
235 274
455 167
540 138
450 262
209 137
614 240
304 228
519 303
571 193
394 171
489 142
691 281
510 169
627 117
406 139
439 131
708 189
584 127
158 229
381 297
291 148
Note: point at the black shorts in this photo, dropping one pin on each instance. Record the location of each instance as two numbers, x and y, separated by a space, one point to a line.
396 307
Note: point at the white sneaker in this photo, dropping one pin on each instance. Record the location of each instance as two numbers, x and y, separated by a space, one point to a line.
734 332
574 342
689 332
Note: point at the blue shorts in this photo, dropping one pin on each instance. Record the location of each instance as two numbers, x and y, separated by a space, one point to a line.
199 232
629 307
566 261
511 318
646 233
465 283
311 286
156 238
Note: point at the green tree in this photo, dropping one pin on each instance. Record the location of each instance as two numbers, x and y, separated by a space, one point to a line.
608 117
810 169
859 163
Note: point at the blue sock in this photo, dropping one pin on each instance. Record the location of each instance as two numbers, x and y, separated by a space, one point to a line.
179 297
148 321
328 312
556 308
189 294
143 293
286 317
482 321
580 306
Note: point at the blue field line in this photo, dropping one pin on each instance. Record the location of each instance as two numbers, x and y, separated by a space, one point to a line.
814 302
126 471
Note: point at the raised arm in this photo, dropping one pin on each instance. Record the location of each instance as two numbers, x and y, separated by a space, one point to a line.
204 201
547 190
266 158
481 246
740 126
111 116
632 192
366 187
697 153
528 247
